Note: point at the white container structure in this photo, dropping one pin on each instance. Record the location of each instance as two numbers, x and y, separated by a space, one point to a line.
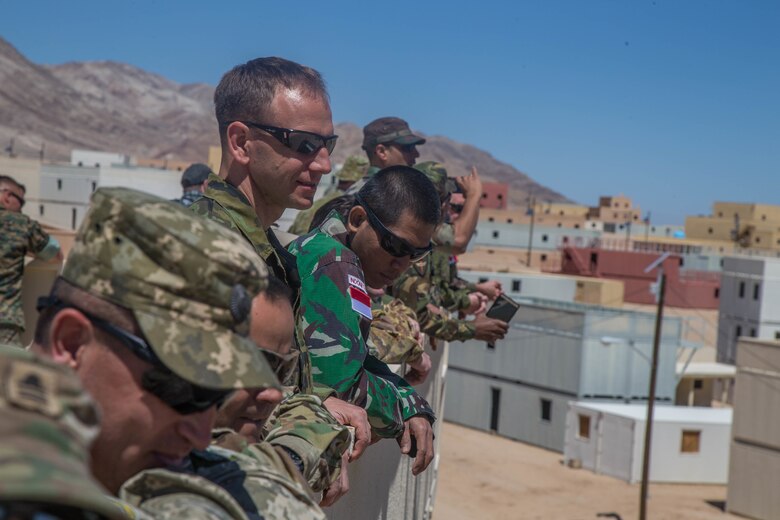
689 445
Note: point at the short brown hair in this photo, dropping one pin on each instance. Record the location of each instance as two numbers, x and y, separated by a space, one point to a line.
247 90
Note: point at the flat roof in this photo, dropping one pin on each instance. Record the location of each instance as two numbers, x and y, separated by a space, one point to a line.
662 413
707 369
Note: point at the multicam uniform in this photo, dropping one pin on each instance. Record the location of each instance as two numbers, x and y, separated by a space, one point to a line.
335 318
391 339
20 236
47 422
223 203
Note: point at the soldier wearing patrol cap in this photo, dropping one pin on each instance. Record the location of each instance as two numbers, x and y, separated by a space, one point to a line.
152 312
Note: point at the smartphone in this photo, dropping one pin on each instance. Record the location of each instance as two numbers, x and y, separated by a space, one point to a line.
504 308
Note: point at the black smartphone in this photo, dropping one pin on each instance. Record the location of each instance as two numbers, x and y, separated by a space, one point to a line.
504 308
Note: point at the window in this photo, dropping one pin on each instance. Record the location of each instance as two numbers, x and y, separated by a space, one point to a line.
546 405
491 219
698 384
777 334
59 184
717 292
690 441
516 285
576 226
73 218
584 426
738 332
741 289
509 221
758 240
500 196
544 238
94 186
495 234
484 195
40 210
544 258
482 280
752 333
709 230
756 290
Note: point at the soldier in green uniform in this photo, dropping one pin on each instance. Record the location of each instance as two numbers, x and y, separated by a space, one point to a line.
21 236
276 132
353 170
423 289
391 224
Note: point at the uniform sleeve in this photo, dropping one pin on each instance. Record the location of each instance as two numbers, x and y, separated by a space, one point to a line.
330 313
303 426
38 240
391 338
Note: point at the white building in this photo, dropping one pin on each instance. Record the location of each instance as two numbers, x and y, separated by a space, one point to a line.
749 302
94 158
689 445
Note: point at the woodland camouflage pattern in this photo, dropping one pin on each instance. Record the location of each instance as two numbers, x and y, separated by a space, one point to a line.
336 333
224 204
180 276
391 338
47 423
454 292
20 235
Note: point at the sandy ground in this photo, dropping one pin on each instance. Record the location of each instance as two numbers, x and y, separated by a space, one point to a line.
484 476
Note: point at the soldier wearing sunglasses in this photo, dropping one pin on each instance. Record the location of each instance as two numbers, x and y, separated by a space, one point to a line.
21 236
152 312
276 133
389 226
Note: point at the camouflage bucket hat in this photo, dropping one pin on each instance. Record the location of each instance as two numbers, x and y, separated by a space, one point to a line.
189 283
437 174
47 423
354 169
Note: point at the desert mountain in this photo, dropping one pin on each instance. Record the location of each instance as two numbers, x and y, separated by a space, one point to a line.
120 108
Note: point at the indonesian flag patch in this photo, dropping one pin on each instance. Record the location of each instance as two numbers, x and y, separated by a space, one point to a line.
361 303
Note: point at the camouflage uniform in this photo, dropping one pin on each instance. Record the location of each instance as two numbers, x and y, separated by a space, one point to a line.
20 236
224 204
47 423
335 318
391 338
359 184
189 197
427 282
354 169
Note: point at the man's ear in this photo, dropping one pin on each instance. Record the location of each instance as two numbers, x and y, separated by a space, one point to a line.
237 138
380 151
356 217
69 333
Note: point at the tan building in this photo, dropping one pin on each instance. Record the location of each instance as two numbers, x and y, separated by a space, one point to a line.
615 210
755 226
544 216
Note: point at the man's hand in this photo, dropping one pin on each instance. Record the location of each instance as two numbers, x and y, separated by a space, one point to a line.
419 370
477 303
489 329
338 488
415 326
420 429
491 289
355 416
470 185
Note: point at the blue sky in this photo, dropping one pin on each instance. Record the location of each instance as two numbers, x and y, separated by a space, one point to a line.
675 103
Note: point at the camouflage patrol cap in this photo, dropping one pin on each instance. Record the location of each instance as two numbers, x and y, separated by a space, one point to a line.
389 130
188 282
354 169
47 423
195 174
437 174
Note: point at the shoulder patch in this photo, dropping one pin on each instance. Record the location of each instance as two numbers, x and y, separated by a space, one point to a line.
361 303
356 282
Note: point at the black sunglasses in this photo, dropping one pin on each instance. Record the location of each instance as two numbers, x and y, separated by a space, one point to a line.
17 197
283 366
390 242
183 396
301 141
457 208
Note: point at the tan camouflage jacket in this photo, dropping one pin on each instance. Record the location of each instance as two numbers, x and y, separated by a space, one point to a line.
391 338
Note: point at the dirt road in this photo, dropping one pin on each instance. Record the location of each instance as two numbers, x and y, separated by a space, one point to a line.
485 477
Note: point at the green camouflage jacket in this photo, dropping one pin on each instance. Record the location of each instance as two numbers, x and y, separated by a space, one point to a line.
223 203
359 184
20 236
335 319
454 295
391 338
416 289
304 217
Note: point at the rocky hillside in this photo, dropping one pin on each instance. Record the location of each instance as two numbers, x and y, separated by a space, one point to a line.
119 108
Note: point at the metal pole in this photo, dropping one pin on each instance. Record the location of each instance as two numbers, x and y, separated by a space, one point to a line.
532 209
651 397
